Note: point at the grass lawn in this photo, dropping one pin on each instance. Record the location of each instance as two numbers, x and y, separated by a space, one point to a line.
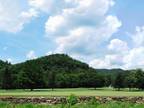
67 92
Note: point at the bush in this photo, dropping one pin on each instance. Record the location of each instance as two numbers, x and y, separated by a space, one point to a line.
72 99
93 101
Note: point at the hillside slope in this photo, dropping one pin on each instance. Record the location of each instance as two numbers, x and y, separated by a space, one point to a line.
57 70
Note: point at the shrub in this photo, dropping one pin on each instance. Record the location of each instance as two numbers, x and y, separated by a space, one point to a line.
72 99
93 101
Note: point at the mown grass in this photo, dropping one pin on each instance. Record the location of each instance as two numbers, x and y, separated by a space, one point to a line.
67 92
82 105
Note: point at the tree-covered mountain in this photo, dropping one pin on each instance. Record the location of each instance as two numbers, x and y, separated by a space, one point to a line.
2 64
67 71
58 71
57 61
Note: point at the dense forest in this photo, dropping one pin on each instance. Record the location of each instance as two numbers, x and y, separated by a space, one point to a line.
62 71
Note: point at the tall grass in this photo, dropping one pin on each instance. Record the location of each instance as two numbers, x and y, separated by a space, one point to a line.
80 105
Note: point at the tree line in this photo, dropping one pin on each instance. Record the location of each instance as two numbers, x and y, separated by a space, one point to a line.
61 71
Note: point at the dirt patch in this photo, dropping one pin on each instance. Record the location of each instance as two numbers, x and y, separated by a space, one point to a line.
59 100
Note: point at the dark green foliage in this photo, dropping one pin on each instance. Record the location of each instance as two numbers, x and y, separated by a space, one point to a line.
2 66
131 80
140 79
31 76
52 79
72 99
61 71
7 77
107 80
119 81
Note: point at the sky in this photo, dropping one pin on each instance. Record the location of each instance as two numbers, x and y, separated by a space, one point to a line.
103 33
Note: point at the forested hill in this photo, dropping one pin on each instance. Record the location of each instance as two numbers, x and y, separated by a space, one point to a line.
65 63
56 61
60 62
59 71
2 64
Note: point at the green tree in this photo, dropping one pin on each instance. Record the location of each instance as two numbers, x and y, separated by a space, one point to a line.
130 80
119 81
32 76
52 79
7 78
140 79
107 80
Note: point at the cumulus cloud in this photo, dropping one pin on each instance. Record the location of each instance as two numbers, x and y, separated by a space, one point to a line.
54 23
86 39
44 5
80 27
9 60
29 14
117 45
99 64
49 53
108 62
13 16
138 36
122 56
84 13
48 6
31 55
135 58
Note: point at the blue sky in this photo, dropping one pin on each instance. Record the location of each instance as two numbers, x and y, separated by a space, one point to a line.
104 34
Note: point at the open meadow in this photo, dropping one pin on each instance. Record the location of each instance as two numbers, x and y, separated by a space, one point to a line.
67 92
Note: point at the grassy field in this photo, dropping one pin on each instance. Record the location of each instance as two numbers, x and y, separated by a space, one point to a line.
86 105
67 92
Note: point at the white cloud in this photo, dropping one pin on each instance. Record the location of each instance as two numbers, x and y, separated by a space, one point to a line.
49 53
84 13
97 7
48 6
17 14
13 15
44 5
56 6
54 23
115 60
72 21
31 55
99 64
119 46
83 26
138 36
86 39
135 58
29 14
122 56
9 60
108 62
